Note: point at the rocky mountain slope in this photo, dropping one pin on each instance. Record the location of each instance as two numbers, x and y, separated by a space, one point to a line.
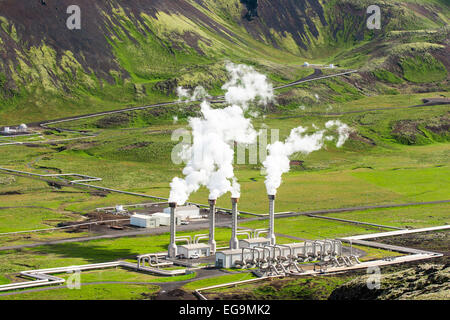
135 52
424 282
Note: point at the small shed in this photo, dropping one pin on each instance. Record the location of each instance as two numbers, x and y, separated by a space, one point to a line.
144 221
228 258
201 249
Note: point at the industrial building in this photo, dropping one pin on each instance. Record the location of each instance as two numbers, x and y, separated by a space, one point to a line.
144 221
23 128
197 250
186 212
255 251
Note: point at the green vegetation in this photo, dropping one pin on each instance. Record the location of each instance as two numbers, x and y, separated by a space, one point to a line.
304 288
218 280
422 69
91 292
387 76
406 217
123 275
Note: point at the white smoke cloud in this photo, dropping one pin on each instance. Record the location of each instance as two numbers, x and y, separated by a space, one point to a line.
342 129
277 162
209 160
198 94
246 85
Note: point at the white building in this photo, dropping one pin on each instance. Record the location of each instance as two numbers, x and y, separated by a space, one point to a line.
200 249
186 212
144 221
228 258
164 218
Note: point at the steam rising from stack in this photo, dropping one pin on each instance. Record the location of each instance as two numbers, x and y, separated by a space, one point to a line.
277 162
210 157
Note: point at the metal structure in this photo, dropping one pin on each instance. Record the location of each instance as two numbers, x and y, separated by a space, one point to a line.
172 245
212 225
234 242
271 234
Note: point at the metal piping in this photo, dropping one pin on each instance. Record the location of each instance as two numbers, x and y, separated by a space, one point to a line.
212 225
264 252
173 249
234 242
201 238
274 254
258 232
290 250
184 238
199 235
242 233
271 234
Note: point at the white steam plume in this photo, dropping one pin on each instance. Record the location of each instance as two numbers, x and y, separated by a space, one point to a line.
209 160
246 85
198 94
277 162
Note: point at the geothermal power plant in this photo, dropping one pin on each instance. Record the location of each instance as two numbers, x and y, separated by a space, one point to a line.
255 251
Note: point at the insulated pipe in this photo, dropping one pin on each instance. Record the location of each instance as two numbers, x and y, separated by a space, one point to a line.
234 242
257 233
200 235
264 251
275 247
290 250
243 233
271 234
188 239
182 239
201 238
212 225
337 247
173 250
317 243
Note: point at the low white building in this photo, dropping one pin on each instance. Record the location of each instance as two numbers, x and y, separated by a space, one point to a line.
200 249
144 221
253 242
228 258
186 212
164 218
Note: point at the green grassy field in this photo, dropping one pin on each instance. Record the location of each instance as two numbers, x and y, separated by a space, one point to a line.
218 280
91 292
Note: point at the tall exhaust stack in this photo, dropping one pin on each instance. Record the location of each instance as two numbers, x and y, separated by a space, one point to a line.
172 246
234 242
212 225
271 234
